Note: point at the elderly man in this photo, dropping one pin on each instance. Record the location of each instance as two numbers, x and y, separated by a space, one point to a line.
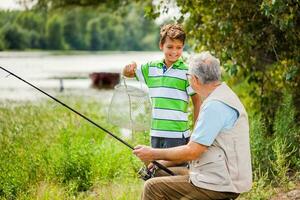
219 150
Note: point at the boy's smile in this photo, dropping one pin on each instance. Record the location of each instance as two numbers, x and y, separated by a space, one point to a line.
172 50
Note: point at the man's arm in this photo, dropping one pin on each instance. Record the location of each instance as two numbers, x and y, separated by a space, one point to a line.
179 154
196 104
165 163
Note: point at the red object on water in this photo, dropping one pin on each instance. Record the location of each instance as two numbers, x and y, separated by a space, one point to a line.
105 80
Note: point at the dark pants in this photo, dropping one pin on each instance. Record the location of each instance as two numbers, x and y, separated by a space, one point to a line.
161 142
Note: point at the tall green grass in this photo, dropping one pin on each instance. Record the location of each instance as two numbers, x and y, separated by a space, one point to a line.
47 152
45 145
276 155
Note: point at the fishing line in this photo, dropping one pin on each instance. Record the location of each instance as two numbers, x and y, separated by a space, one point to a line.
162 167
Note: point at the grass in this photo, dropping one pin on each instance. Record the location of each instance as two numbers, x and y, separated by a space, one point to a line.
47 152
44 147
275 156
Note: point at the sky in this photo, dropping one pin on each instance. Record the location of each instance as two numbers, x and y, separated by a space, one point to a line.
9 4
13 4
173 11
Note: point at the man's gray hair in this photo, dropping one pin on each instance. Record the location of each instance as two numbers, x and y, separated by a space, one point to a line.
205 67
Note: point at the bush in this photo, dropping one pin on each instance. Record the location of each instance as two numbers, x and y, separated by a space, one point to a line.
275 156
286 130
72 163
260 146
43 144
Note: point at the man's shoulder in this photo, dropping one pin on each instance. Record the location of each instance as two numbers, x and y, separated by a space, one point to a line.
216 106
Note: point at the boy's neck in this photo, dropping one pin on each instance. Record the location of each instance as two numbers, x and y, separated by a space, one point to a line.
168 64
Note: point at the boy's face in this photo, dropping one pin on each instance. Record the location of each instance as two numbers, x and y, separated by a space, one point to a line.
172 50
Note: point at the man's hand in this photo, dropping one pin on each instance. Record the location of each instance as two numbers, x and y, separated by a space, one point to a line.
129 70
188 152
150 166
144 153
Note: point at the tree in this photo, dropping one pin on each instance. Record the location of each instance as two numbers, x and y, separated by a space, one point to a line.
31 20
33 23
73 35
139 32
94 40
2 47
84 28
256 40
15 37
53 4
54 33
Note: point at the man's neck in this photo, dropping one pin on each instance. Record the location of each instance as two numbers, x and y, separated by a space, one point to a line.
210 88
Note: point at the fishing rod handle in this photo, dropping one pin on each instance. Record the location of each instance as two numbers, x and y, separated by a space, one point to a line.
163 168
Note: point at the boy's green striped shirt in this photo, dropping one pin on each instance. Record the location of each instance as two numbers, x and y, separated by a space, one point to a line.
169 93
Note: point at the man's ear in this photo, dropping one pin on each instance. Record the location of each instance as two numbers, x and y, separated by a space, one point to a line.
195 81
193 78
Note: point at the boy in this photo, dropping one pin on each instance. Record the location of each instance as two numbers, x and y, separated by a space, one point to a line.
169 90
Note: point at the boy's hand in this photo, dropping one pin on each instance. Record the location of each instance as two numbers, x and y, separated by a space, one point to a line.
129 70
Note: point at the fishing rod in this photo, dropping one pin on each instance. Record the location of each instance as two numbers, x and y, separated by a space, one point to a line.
146 174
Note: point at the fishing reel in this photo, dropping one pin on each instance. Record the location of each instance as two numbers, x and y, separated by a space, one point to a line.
145 173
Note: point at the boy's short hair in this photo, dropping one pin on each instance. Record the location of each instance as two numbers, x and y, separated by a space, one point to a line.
173 31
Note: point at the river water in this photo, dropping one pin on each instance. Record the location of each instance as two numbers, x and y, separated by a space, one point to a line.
50 70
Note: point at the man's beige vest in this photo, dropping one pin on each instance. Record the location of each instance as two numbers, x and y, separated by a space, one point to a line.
226 166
